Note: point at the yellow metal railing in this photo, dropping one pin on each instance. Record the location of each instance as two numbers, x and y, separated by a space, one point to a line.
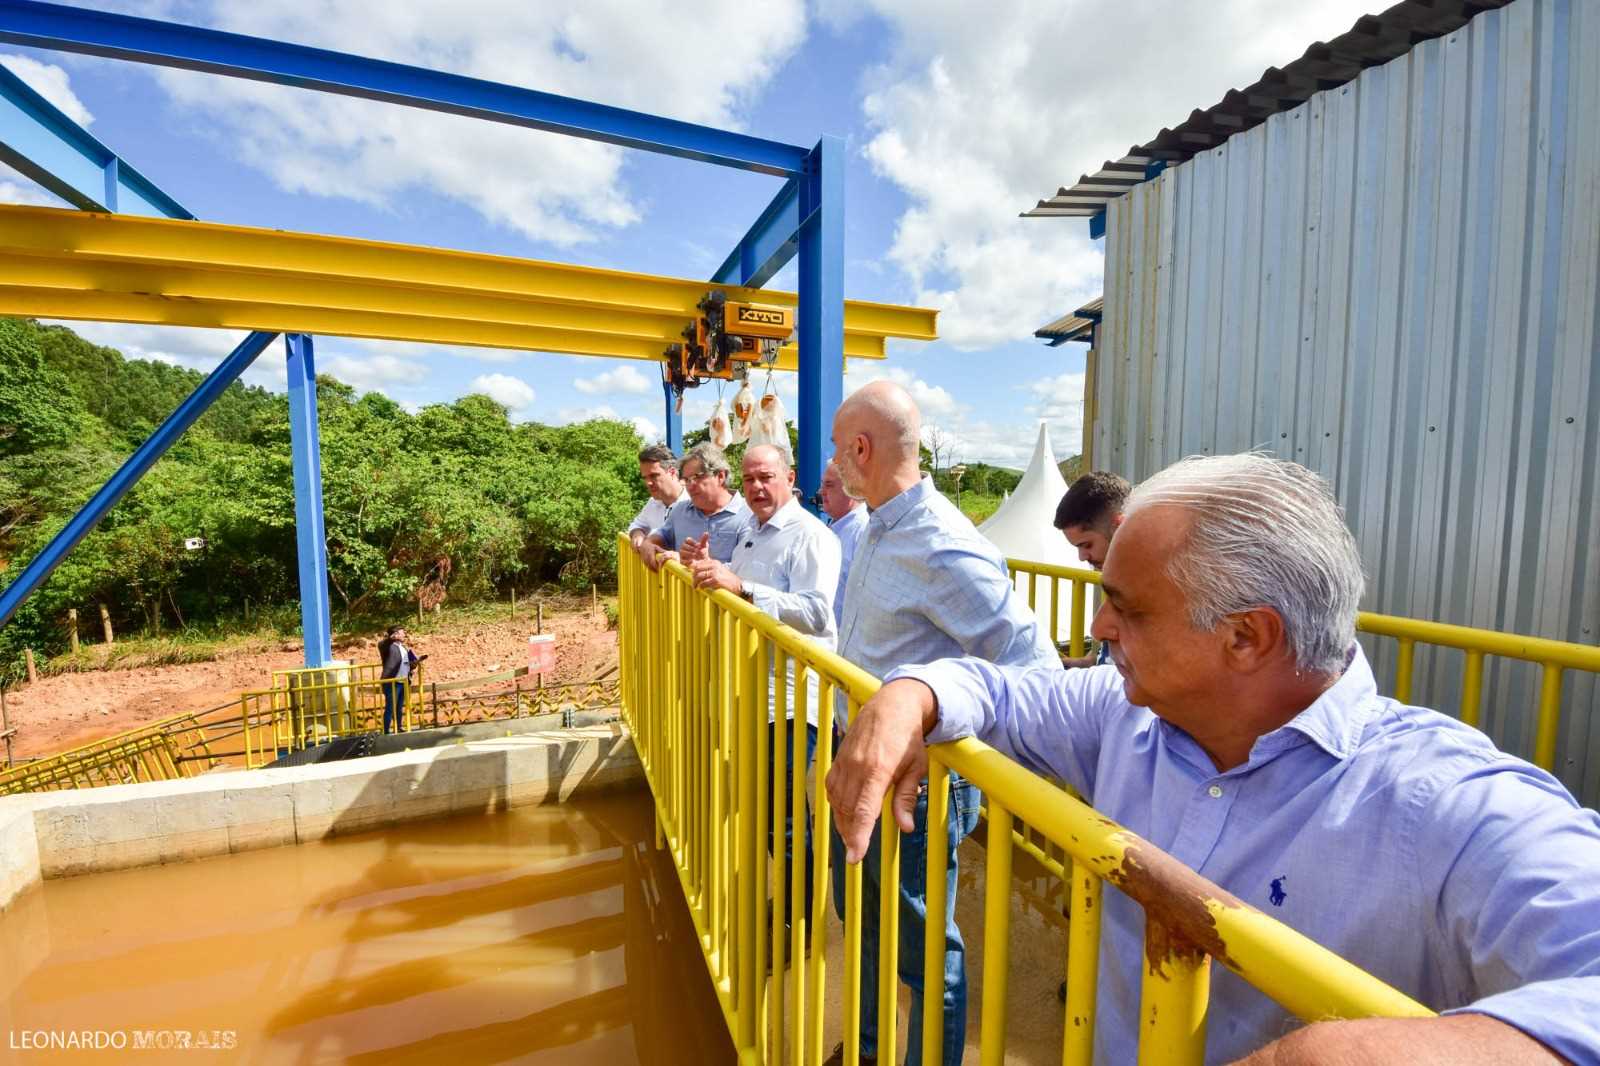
160 751
1553 657
697 669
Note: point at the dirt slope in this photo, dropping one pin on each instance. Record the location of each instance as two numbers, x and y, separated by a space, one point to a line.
64 711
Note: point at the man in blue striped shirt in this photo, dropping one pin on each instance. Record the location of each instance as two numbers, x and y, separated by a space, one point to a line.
924 585
713 510
1240 730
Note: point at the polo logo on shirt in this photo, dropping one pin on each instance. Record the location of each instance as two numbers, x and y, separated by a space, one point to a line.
1278 895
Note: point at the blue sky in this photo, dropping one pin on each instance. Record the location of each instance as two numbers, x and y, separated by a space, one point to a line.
956 117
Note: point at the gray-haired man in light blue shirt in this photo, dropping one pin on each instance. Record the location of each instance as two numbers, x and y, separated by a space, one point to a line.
712 511
1240 730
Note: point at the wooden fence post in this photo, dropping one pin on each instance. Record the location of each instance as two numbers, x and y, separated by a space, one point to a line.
513 601
5 724
72 630
27 657
594 598
105 624
538 617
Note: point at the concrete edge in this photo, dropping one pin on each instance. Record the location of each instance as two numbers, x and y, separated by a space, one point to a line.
66 834
19 852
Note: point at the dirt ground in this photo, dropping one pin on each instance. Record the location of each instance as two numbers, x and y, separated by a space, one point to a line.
66 710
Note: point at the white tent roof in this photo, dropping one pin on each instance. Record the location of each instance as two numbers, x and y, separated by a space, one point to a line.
1024 526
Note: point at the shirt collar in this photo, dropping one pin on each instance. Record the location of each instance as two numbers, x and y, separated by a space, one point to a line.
1335 720
893 510
856 514
783 516
734 505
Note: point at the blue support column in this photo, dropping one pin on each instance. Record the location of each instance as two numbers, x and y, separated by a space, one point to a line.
674 420
143 458
821 311
315 620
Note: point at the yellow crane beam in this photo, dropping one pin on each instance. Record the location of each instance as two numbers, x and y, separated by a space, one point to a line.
80 265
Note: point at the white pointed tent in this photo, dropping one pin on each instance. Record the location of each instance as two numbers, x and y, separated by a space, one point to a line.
1024 528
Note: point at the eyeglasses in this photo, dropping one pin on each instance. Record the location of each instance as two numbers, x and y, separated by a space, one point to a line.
690 479
815 499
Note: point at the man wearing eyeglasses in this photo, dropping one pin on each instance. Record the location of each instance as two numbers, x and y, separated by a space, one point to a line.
712 513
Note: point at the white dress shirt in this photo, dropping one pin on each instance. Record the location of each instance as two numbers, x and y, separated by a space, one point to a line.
789 566
653 514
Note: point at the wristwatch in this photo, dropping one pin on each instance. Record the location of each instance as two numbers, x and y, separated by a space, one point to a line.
746 594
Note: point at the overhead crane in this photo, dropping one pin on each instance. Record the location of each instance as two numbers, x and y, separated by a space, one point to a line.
59 263
106 264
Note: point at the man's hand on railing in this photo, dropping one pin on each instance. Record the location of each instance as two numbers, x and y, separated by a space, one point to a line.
710 574
655 556
694 549
883 749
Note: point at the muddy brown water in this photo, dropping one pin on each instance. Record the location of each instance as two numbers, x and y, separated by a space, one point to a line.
552 934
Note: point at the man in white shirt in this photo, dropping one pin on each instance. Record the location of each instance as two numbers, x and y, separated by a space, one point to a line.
849 520
786 562
658 469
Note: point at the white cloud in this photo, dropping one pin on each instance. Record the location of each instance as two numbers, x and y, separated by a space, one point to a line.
646 428
624 380
512 393
194 349
976 118
16 189
568 415
934 401
50 82
659 59
372 372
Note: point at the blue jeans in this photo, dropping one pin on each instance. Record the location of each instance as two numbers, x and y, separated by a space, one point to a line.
394 703
774 752
964 801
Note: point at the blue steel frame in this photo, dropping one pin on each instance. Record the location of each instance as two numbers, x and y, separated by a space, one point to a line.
316 620
42 142
806 217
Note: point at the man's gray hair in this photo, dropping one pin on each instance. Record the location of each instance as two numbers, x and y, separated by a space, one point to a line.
1266 532
659 453
785 460
710 458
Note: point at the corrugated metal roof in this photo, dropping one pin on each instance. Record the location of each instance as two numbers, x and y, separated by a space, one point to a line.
1373 40
1077 326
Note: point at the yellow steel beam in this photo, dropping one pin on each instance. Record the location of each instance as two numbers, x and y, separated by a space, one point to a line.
195 273
161 309
264 301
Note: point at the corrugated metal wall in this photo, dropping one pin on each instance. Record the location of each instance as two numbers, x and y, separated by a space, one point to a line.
1398 284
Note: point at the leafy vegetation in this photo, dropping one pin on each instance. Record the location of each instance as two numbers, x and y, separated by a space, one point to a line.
452 502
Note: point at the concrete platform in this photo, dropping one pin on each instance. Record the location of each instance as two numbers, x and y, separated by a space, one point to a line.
65 834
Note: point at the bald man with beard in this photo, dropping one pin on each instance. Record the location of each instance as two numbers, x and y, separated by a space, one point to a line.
924 585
